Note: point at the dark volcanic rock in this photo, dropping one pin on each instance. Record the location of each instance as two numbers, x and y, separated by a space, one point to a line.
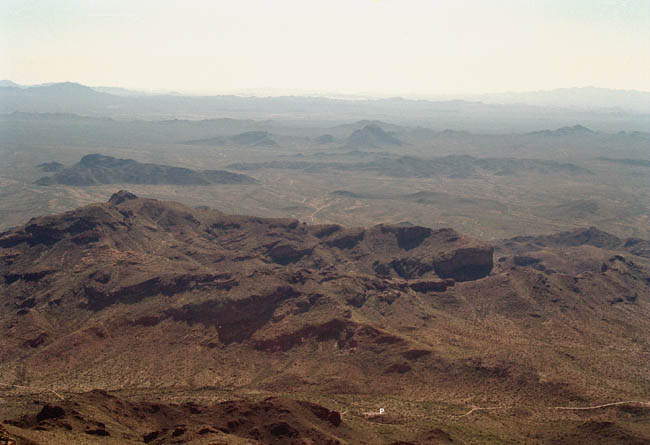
523 260
431 285
286 253
465 264
408 237
37 341
273 420
50 412
282 429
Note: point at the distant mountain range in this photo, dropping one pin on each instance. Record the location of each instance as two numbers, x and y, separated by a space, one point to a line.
606 109
372 136
579 97
9 83
576 130
456 166
586 98
248 138
95 169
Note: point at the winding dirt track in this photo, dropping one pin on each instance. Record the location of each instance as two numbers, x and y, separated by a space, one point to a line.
318 210
32 387
568 408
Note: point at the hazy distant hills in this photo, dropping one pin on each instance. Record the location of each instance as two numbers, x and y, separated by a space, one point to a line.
51 167
586 97
576 130
248 138
564 143
416 167
64 97
609 110
372 136
630 162
117 91
9 83
97 169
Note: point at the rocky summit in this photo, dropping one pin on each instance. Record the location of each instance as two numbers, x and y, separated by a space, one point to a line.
316 326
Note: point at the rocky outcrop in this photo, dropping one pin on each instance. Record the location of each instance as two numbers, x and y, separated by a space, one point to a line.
120 197
277 420
50 412
408 237
287 253
465 264
331 416
431 285
5 437
100 296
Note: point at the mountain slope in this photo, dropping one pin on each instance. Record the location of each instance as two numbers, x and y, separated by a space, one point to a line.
139 294
154 265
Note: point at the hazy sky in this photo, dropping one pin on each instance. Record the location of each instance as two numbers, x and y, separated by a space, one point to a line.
346 46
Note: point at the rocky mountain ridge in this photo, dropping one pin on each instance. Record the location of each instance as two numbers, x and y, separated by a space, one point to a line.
139 294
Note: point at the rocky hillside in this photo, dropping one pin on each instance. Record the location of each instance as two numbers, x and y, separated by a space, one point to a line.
100 416
139 294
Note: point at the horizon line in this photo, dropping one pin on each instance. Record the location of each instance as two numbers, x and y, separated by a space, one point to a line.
288 92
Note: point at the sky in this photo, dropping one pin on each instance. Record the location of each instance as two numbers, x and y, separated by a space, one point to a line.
400 47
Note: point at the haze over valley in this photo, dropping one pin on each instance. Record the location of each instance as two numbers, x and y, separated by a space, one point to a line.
490 185
364 222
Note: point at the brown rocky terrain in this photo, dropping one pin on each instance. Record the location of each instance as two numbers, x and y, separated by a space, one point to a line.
144 298
100 416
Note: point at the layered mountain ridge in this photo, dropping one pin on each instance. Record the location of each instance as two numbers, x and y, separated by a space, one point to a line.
139 293
94 169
